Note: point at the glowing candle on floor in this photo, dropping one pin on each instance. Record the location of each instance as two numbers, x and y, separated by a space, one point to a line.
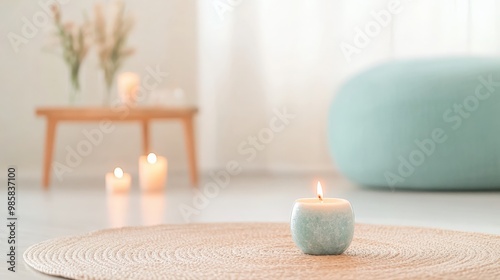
152 172
118 181
322 226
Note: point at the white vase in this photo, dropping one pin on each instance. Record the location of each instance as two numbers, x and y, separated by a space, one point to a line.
106 89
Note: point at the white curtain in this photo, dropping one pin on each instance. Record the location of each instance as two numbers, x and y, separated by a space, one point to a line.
257 56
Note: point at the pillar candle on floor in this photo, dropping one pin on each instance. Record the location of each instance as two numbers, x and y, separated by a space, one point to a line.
152 172
118 181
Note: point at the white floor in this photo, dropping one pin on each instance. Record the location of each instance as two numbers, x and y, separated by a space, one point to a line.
79 206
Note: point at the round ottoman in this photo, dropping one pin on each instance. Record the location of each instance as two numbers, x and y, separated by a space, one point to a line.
430 124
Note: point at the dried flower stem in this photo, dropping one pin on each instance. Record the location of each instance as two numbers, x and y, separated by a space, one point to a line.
111 39
74 43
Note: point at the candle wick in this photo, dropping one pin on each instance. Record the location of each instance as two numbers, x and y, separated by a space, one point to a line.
320 198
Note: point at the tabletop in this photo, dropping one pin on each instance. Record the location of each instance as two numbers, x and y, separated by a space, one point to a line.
115 113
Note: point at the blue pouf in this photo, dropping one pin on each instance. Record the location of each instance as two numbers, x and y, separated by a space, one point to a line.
423 124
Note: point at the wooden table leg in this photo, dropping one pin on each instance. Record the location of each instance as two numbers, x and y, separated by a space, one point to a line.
49 150
191 149
145 137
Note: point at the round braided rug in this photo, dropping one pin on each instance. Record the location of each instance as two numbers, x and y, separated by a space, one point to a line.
265 251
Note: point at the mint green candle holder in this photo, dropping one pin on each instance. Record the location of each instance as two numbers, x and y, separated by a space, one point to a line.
322 227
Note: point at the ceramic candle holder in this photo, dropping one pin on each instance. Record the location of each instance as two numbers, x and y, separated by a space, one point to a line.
322 227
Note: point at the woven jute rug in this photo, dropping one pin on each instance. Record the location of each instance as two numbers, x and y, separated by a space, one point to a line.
265 251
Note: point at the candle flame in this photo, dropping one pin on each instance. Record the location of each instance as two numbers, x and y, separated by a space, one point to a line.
319 189
118 172
152 158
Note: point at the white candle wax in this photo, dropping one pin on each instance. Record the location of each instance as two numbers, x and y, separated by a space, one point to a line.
118 181
152 172
128 85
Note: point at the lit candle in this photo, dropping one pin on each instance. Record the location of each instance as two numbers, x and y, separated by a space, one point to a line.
128 85
322 226
117 181
152 172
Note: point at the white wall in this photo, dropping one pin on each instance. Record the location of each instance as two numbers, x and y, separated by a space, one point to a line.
239 63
